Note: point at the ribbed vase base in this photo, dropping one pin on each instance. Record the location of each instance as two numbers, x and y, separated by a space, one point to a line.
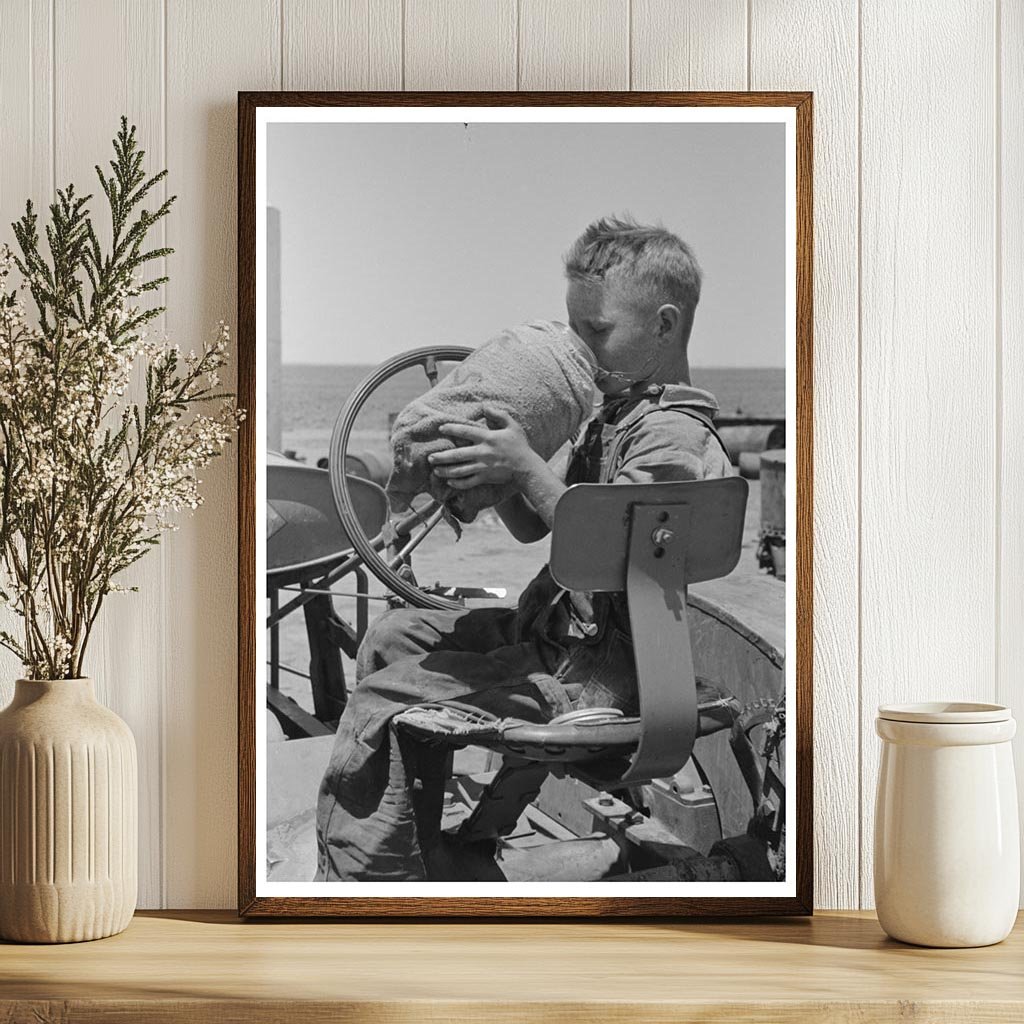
63 913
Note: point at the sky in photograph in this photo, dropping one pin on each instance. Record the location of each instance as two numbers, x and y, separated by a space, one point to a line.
396 236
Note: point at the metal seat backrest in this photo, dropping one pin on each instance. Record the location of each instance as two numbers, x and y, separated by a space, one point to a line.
651 540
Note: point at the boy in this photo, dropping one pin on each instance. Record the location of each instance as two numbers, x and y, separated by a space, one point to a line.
631 297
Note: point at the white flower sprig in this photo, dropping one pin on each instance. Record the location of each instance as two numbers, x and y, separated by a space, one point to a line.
88 477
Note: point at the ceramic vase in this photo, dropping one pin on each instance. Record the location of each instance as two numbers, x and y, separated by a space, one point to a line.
68 815
947 846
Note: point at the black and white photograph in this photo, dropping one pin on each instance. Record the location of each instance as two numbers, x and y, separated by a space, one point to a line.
525 480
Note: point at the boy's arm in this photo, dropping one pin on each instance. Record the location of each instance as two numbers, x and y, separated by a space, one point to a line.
520 516
534 509
521 519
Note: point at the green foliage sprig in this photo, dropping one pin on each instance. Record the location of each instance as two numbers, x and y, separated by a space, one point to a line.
89 477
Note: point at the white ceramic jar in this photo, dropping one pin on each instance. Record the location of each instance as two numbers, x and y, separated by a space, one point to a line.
947 846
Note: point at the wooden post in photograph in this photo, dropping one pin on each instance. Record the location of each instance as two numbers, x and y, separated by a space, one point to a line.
273 329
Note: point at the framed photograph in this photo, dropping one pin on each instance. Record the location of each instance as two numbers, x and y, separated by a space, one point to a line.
525 504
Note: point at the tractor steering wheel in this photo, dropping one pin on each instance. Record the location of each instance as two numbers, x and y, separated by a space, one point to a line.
399 536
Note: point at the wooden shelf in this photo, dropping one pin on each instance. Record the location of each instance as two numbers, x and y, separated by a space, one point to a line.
208 966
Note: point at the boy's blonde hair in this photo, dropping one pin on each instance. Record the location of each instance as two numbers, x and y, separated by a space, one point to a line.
653 265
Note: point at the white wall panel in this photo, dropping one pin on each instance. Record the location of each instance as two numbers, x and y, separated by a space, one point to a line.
125 655
460 44
26 107
689 44
213 51
928 521
799 45
342 44
1010 373
573 44
26 163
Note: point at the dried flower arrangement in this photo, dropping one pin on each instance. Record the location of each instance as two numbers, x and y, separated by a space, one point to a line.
89 478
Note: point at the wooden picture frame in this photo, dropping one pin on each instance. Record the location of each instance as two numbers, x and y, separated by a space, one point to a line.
792 895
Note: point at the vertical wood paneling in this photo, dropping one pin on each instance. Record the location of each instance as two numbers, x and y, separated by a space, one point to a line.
689 44
799 45
928 513
1010 178
26 167
213 51
939 282
574 44
469 44
342 44
122 658
26 106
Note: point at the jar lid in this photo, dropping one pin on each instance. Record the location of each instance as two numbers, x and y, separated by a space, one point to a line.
945 712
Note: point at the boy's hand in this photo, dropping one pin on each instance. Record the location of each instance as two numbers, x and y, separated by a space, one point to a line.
498 453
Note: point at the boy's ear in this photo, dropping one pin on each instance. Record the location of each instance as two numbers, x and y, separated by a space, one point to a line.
669 319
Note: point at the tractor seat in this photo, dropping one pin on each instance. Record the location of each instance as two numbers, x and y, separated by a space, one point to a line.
650 541
577 737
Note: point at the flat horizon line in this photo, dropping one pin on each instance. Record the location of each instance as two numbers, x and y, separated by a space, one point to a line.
702 366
